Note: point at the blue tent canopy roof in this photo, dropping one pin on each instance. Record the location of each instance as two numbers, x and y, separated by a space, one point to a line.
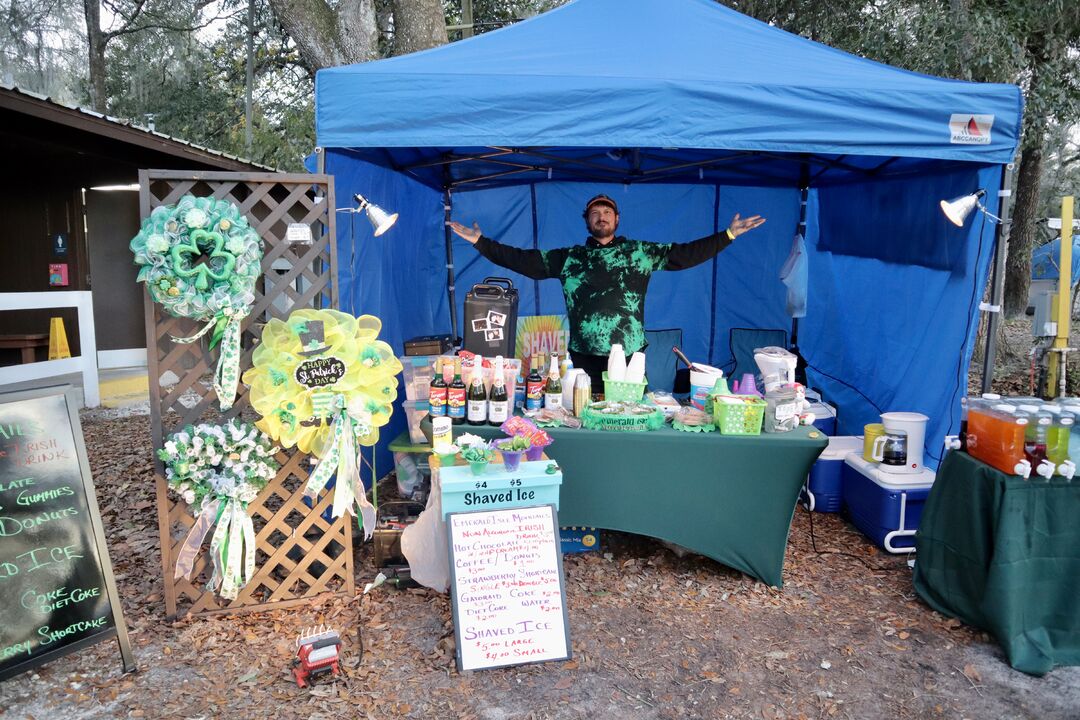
1046 259
675 81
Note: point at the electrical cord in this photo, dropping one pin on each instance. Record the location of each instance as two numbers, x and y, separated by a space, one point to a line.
813 543
845 384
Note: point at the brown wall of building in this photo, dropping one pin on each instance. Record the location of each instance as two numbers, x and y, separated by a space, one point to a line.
112 219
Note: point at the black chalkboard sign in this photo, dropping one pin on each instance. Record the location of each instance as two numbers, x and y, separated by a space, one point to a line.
56 580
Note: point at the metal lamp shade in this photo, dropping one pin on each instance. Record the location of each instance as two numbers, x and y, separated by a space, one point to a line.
958 209
380 220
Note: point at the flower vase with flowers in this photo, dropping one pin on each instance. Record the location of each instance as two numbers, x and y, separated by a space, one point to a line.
512 449
475 451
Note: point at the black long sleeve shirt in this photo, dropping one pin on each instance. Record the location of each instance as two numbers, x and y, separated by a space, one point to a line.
604 285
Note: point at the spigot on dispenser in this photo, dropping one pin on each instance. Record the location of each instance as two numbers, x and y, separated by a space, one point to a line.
1023 469
1045 469
807 418
1067 469
952 442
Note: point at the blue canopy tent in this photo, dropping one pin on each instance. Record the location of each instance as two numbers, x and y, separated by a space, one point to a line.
1046 260
685 112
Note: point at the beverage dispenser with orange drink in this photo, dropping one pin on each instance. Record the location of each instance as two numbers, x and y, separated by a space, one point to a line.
995 435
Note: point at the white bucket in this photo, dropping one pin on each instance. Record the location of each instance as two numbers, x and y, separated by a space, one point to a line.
701 384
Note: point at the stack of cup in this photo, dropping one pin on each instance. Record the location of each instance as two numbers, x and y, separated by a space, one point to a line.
635 369
616 364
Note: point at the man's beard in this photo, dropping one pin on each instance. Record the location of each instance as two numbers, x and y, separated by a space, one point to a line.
600 233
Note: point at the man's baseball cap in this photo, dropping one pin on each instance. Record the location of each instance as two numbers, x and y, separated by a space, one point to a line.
600 199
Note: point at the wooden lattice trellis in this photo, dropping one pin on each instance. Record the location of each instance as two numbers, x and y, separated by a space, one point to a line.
299 553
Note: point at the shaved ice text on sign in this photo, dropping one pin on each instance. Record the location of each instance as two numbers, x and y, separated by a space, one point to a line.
969 129
507 590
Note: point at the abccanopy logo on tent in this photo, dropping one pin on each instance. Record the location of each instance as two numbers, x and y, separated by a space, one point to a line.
968 129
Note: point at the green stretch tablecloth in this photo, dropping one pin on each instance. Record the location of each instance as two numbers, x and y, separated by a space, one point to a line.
1003 554
728 497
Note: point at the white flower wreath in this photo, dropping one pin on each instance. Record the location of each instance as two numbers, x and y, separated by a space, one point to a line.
218 470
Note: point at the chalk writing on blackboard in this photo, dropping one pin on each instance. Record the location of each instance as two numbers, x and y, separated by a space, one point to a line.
54 568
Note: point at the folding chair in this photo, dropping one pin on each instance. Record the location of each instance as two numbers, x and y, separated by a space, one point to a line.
660 362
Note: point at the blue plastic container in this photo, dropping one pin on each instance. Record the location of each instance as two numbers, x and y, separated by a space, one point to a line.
886 507
824 491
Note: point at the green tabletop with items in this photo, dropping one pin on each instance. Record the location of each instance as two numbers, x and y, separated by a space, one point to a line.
1003 554
729 497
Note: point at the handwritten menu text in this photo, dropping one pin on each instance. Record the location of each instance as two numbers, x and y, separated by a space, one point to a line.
509 604
50 575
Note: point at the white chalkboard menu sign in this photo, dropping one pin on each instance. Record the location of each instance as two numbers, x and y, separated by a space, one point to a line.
507 587
56 580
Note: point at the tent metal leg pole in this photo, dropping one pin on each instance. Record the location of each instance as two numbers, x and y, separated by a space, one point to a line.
997 289
448 206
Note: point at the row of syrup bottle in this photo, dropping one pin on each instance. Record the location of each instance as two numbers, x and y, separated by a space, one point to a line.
447 399
491 407
540 391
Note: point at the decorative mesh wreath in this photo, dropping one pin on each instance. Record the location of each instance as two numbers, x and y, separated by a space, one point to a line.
323 382
218 470
200 259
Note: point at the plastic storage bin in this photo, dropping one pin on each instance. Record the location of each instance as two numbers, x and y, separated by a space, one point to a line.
886 507
417 373
415 411
824 491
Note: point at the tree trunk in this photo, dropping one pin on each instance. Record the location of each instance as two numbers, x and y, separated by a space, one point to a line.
1022 234
418 25
327 36
95 41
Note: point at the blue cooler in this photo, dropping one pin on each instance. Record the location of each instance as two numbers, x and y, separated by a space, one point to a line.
824 490
886 507
824 417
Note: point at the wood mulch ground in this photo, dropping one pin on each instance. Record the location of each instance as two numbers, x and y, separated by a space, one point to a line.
654 636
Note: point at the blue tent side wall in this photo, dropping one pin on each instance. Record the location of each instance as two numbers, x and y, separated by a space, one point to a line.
395 277
892 309
884 336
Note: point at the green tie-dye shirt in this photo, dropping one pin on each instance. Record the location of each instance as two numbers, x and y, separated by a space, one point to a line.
604 285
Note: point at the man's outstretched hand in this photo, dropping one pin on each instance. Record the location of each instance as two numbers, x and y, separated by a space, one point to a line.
738 226
471 235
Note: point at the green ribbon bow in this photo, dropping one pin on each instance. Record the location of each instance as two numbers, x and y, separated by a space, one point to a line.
342 459
226 326
232 548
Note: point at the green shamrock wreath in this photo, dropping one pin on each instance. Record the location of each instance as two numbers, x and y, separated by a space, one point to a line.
200 259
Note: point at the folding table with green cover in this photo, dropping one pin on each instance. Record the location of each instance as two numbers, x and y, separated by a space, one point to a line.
729 497
1003 554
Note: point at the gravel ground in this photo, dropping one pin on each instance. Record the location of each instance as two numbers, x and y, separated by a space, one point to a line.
654 636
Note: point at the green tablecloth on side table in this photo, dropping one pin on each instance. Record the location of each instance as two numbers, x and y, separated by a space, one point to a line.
1003 554
728 497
